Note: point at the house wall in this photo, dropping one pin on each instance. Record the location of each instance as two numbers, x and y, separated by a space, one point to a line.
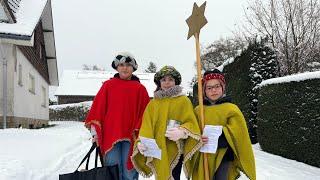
27 108
26 103
7 49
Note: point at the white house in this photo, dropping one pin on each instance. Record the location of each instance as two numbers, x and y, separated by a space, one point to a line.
28 62
82 85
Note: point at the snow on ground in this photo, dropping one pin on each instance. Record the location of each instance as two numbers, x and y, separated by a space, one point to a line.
43 154
272 167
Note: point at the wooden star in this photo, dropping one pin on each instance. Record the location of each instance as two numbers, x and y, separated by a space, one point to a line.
197 19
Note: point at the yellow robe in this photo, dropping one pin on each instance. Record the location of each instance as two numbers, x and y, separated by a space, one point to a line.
154 122
236 132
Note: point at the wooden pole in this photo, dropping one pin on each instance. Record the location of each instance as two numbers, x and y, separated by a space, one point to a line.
200 98
195 22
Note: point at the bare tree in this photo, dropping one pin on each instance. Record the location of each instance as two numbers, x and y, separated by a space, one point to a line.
293 29
219 51
92 68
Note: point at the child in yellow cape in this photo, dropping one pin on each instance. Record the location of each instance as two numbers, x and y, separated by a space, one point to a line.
234 152
178 144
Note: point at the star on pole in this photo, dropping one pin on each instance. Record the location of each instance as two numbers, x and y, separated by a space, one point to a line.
197 19
195 22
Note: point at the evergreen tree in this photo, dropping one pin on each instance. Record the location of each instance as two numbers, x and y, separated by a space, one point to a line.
152 68
85 67
95 68
264 65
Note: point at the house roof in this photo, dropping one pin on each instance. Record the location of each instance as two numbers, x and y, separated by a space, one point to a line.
6 14
25 15
88 83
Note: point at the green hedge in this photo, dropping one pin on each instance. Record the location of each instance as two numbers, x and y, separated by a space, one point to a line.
71 112
289 120
238 87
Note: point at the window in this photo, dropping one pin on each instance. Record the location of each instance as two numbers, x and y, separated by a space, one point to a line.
40 51
31 84
20 75
44 97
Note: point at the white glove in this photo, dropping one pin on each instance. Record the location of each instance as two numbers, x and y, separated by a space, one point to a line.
94 135
141 147
174 134
93 131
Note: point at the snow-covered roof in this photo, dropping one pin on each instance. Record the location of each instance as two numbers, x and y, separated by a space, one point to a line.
88 83
14 5
27 14
295 77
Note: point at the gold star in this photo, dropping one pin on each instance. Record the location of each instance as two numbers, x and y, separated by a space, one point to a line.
197 19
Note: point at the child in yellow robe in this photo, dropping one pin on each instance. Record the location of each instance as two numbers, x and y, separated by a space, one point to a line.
234 152
178 144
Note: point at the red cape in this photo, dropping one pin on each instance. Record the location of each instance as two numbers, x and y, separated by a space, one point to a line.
116 113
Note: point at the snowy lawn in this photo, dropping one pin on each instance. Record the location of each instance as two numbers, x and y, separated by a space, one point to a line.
43 154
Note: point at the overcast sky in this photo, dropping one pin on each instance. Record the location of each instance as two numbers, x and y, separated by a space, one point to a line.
93 31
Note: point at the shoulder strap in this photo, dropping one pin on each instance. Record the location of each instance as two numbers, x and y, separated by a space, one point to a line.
87 157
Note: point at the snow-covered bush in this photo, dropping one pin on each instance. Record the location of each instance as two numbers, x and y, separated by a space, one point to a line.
256 63
243 73
264 66
289 117
69 112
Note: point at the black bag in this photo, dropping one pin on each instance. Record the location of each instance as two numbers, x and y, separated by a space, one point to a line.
97 173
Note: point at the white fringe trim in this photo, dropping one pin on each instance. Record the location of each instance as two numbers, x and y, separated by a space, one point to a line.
188 156
135 152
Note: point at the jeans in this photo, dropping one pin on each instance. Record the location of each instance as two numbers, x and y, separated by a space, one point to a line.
119 155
